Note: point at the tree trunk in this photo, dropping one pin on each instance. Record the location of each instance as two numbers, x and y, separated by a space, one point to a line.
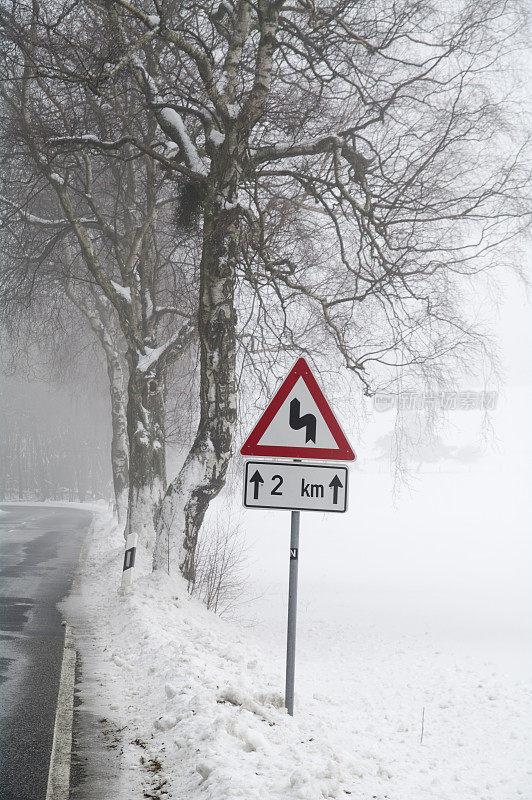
203 473
119 440
100 317
147 458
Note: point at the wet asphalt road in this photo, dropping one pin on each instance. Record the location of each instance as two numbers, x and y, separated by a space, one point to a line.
39 551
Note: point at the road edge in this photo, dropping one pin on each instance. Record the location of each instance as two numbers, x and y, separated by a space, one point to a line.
58 787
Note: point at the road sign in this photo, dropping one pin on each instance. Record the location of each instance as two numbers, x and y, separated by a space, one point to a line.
303 487
299 423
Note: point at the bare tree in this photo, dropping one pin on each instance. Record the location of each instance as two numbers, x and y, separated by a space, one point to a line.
353 166
219 579
94 217
33 302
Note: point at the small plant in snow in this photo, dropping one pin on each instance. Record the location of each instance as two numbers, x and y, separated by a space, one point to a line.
219 566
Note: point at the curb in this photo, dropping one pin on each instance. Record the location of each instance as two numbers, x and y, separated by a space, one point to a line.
58 787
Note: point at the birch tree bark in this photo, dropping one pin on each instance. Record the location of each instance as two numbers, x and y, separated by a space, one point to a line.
204 471
102 322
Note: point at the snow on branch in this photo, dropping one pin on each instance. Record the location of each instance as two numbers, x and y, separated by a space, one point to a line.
151 20
327 144
174 347
160 311
102 144
42 221
173 126
171 122
89 138
123 291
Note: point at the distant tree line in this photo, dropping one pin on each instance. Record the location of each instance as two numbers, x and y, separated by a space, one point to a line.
53 446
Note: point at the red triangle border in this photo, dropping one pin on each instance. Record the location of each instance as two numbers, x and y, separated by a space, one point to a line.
251 447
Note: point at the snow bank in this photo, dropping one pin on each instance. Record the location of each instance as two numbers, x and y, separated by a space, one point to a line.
196 712
196 706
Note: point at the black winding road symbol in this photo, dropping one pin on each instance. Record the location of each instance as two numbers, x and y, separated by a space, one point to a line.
307 421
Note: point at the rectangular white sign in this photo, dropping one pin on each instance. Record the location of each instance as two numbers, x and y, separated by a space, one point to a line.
303 487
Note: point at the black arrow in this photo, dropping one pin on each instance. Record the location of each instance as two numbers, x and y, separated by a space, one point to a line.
336 484
307 421
256 479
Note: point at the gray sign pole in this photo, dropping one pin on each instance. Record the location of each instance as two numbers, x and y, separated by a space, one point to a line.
292 614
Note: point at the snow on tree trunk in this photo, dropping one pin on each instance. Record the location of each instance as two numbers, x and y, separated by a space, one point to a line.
203 473
147 461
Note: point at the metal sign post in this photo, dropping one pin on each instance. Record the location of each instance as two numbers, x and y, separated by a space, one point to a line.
292 614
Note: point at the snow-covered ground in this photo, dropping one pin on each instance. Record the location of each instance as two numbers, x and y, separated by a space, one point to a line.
417 609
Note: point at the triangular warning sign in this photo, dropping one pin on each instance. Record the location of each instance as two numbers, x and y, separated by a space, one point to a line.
299 423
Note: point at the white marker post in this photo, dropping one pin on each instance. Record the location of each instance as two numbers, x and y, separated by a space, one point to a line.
129 560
